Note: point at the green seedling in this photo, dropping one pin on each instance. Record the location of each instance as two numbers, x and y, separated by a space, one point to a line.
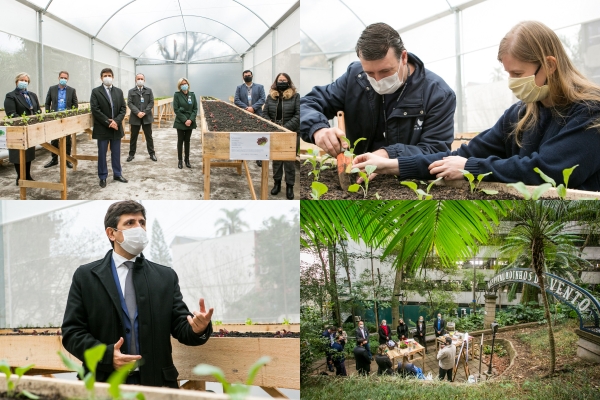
117 378
377 196
286 321
350 151
92 357
369 169
249 321
40 116
561 189
318 189
475 186
317 166
11 385
25 118
236 391
217 322
421 194
7 121
55 115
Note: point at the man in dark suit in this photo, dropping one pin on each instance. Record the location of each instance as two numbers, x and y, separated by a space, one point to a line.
421 334
132 305
250 96
60 98
108 108
362 357
439 326
363 333
140 101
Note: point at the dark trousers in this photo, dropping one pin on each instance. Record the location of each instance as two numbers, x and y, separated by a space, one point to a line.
135 131
363 371
183 140
445 372
115 157
422 341
27 170
368 347
134 379
55 143
340 368
290 171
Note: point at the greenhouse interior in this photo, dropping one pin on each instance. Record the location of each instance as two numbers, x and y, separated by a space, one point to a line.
210 43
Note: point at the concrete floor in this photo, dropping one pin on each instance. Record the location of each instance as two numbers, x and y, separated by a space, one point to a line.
147 179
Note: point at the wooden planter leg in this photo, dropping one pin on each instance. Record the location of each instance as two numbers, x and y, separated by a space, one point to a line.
63 167
22 174
206 162
74 149
264 181
274 392
250 185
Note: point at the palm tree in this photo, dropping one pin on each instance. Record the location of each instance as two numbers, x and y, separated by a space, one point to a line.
231 223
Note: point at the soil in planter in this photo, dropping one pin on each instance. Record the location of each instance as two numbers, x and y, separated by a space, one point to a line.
389 188
3 396
221 117
34 119
277 334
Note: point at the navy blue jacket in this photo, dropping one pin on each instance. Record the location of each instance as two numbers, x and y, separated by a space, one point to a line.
423 125
258 97
554 144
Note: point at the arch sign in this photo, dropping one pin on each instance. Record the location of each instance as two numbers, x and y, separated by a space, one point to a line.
579 299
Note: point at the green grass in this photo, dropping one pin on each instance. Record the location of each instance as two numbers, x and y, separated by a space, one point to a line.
565 339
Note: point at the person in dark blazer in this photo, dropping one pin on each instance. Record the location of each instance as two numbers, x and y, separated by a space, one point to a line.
385 333
185 106
439 326
250 96
108 108
363 358
363 333
421 334
131 305
384 364
283 107
140 101
16 103
60 98
402 330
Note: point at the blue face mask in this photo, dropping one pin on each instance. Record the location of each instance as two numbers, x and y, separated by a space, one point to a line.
184 87
63 82
22 85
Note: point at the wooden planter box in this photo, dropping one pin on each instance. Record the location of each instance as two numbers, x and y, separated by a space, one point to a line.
76 390
24 137
233 355
257 327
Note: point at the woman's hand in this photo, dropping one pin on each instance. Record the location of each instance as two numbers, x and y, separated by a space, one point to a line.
188 122
448 167
384 165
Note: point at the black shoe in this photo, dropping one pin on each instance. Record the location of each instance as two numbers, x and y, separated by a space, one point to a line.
259 163
102 183
51 163
69 164
120 179
276 188
180 165
289 192
153 157
130 158
187 164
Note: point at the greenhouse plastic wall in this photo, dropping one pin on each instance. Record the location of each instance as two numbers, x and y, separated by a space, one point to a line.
242 275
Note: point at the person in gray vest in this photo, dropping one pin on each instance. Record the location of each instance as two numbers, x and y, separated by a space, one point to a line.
140 101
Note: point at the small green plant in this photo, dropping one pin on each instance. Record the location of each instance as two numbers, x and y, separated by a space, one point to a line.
317 166
350 151
217 322
7 121
561 189
55 115
117 378
421 194
92 357
40 116
25 118
369 169
286 321
236 391
249 321
318 189
475 186
10 384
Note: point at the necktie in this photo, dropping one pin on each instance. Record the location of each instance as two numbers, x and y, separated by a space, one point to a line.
112 107
131 305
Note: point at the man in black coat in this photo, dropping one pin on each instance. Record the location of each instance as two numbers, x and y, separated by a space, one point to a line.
363 333
108 108
140 101
402 330
362 357
60 98
132 305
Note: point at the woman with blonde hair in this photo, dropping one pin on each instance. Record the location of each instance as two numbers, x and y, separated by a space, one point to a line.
16 103
185 106
554 126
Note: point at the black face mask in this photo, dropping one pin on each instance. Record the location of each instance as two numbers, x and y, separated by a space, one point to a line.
248 79
282 86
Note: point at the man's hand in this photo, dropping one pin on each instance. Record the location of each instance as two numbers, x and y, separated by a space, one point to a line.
328 140
113 124
141 114
188 122
201 319
384 165
448 167
250 109
120 359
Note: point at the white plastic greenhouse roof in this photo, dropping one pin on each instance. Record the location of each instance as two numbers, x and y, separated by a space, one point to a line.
349 17
131 26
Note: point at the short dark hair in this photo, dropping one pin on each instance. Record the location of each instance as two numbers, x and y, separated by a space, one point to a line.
105 70
63 72
247 71
114 212
375 41
448 340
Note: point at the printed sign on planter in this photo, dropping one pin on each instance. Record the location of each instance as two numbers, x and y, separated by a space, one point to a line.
249 146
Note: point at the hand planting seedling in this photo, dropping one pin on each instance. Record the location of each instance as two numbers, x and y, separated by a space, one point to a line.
561 189
318 189
369 169
317 165
350 152
10 385
92 357
236 391
421 195
475 186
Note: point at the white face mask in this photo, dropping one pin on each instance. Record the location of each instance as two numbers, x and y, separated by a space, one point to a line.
387 85
526 90
134 240
140 83
107 80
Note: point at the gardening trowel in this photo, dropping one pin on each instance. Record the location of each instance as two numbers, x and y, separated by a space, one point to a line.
344 162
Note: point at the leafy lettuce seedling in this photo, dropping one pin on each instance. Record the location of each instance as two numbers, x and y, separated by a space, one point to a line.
92 357
369 169
317 166
318 189
421 194
117 378
561 189
350 151
475 186
10 385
